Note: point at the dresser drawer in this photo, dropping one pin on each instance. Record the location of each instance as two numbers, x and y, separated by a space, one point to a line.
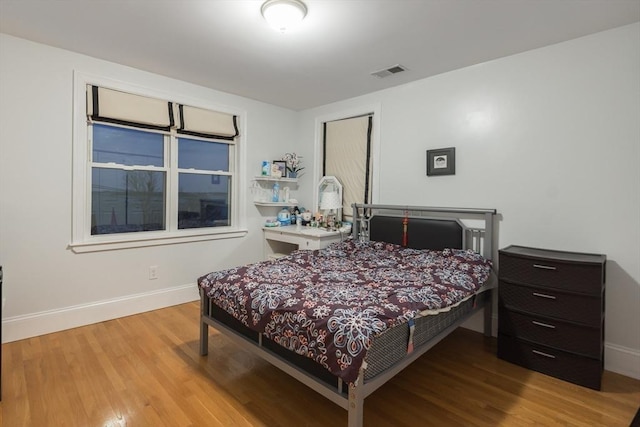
566 366
566 336
583 278
579 308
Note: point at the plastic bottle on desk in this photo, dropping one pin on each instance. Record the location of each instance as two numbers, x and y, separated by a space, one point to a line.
275 197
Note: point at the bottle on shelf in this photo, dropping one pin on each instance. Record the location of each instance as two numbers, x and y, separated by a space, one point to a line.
275 197
266 168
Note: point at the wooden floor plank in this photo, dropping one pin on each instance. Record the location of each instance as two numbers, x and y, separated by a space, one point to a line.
145 370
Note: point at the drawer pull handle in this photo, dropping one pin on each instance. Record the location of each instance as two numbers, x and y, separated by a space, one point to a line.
541 353
537 294
544 325
543 267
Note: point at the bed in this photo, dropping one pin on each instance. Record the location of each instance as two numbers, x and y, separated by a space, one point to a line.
345 319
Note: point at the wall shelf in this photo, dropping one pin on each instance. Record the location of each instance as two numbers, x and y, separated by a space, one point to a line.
274 179
261 189
281 204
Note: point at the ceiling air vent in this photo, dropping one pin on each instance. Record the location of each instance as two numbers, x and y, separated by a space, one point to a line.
395 69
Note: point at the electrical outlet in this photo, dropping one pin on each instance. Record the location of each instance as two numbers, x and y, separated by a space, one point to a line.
153 272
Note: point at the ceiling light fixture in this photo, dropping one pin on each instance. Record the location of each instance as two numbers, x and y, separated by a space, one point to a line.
283 14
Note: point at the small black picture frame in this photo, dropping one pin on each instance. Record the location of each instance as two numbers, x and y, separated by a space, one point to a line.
441 161
282 167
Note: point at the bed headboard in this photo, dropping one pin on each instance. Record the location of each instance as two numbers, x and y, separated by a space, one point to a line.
426 227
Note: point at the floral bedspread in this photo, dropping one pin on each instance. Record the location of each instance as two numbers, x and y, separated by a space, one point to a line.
329 305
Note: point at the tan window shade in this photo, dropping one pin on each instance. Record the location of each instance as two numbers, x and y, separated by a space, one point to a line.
347 157
207 123
108 105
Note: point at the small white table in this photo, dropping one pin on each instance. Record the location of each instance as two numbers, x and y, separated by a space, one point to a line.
280 241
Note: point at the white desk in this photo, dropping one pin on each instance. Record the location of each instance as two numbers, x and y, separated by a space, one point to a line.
280 241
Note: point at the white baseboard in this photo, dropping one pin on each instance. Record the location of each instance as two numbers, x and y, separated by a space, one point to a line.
622 360
45 322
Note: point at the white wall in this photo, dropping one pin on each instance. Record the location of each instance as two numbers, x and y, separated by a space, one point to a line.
550 138
48 287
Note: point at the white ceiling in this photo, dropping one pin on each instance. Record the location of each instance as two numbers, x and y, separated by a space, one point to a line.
226 45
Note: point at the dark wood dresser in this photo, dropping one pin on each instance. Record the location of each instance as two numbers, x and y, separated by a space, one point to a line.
551 312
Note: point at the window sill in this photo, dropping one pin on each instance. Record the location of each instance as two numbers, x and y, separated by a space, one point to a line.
133 240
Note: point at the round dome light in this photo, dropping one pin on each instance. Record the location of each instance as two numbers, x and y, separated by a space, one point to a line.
283 14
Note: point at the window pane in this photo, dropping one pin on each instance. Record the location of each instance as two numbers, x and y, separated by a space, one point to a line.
203 155
127 201
203 201
127 146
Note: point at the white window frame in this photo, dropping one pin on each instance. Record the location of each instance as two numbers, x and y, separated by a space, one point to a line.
81 238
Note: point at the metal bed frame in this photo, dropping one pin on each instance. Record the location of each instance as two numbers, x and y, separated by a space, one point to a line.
480 239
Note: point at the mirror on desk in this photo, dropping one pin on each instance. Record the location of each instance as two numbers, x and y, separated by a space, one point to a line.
329 201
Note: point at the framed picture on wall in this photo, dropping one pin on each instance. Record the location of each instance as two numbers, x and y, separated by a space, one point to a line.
441 161
279 166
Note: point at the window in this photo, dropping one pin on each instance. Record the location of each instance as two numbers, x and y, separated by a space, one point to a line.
203 195
347 155
128 180
150 171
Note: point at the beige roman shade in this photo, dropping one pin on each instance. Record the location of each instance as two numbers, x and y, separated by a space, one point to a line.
347 156
207 123
112 106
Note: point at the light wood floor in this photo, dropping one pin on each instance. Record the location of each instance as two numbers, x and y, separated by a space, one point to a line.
145 370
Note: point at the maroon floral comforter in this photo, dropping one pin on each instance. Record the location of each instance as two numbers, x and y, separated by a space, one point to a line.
329 305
